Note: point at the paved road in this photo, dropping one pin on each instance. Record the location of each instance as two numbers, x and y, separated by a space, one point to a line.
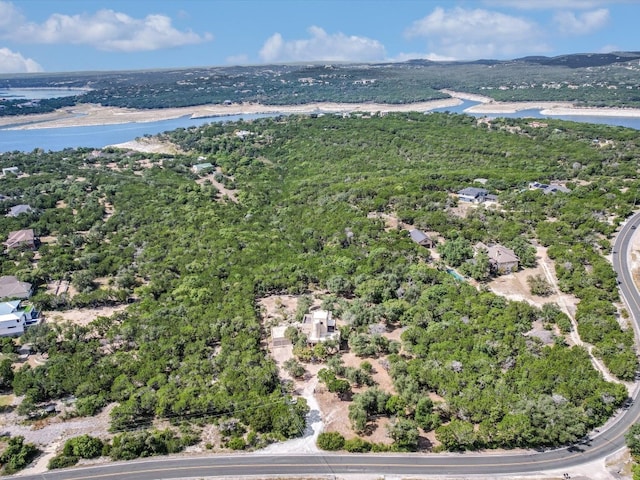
608 441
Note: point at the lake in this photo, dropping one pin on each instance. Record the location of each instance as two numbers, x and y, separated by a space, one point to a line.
629 122
39 93
98 136
56 139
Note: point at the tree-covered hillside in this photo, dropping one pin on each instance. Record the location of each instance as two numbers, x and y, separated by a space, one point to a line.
191 346
584 79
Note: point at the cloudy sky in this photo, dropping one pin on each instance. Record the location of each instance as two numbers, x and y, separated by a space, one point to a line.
73 35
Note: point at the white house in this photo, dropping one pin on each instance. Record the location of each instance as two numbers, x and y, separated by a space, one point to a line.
320 326
12 320
11 170
201 167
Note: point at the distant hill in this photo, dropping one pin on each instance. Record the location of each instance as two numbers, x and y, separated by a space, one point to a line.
586 79
582 60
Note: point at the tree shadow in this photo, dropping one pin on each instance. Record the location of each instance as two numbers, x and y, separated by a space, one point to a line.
312 417
424 444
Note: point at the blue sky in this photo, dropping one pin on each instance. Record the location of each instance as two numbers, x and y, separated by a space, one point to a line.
87 35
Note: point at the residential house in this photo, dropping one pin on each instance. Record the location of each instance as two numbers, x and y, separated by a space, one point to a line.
555 188
19 210
319 326
549 188
421 238
14 319
473 195
21 239
242 133
11 287
201 167
501 259
10 170
12 324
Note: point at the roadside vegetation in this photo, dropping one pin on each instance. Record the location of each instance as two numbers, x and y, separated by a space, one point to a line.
189 349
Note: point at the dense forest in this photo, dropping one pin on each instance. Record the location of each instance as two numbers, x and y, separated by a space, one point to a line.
584 79
190 345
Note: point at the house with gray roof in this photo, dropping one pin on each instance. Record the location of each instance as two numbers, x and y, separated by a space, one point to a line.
421 238
12 288
547 189
19 210
473 195
501 259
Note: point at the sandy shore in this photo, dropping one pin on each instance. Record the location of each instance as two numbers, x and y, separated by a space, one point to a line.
489 106
89 114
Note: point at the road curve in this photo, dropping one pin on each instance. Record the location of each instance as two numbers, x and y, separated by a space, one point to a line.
609 440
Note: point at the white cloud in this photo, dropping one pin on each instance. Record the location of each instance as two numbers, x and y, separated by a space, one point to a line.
9 15
555 4
13 62
322 46
471 34
582 24
105 30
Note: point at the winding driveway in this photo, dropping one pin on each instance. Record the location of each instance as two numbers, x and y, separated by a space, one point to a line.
609 440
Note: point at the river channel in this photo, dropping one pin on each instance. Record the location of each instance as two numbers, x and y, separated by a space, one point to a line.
98 136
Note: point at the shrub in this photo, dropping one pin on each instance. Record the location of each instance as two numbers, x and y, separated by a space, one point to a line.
130 445
357 445
17 455
236 443
330 441
62 461
539 286
84 446
294 368
89 406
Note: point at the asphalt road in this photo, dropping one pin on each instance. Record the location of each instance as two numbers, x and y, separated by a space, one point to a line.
609 440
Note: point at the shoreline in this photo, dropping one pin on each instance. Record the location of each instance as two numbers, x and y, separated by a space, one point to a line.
488 105
84 115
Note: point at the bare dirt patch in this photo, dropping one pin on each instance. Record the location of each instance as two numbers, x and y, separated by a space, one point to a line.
82 316
150 145
334 412
514 285
224 191
51 433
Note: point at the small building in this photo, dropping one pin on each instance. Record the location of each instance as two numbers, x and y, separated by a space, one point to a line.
501 259
19 210
21 239
14 319
10 170
201 167
242 133
473 195
555 188
319 326
12 288
421 238
12 324
547 189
